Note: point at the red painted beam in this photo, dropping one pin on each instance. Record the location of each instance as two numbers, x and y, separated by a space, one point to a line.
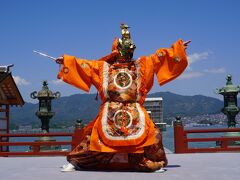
35 143
212 130
36 135
208 150
48 153
213 139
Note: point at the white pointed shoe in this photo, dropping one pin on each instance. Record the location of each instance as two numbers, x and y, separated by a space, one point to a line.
68 168
64 166
160 170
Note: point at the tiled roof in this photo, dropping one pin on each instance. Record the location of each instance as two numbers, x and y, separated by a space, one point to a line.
9 93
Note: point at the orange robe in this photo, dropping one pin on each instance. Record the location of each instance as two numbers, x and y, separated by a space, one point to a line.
122 125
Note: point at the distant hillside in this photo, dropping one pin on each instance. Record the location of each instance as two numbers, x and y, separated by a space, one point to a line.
188 105
85 107
70 108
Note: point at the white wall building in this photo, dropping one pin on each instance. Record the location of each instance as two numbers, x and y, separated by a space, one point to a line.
154 107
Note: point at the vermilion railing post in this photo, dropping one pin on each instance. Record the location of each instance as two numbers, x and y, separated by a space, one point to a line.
78 134
36 148
0 141
180 143
224 144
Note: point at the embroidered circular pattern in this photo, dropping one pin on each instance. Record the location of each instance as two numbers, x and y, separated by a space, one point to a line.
65 70
123 80
122 118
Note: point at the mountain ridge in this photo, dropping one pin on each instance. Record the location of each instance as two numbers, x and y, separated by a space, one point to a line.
84 106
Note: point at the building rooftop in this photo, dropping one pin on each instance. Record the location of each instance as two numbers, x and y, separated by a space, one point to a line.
154 99
9 93
212 166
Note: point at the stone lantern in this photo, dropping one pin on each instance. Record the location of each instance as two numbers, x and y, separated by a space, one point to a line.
230 109
44 113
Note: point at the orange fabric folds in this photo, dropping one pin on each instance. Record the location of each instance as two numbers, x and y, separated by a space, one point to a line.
77 72
123 124
169 63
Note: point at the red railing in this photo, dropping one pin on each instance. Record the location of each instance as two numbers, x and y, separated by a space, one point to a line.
36 146
181 140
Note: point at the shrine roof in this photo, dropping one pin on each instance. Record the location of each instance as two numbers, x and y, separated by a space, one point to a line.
9 93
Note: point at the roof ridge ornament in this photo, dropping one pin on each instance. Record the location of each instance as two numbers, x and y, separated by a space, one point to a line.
6 68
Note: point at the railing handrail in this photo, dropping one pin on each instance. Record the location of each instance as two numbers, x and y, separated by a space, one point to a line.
39 153
35 134
36 145
213 139
212 130
181 139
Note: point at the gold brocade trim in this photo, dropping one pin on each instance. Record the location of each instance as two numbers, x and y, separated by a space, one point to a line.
137 64
105 79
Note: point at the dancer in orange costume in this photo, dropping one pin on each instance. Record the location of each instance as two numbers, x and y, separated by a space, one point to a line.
122 136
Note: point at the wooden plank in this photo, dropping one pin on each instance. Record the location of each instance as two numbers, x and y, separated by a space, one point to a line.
8 118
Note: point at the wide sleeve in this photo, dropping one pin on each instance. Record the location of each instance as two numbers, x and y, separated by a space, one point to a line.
169 63
78 72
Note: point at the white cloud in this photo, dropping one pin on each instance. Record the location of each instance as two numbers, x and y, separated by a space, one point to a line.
190 75
20 81
192 58
57 82
216 70
195 57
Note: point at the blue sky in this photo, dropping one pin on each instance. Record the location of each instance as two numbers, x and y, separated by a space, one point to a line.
86 29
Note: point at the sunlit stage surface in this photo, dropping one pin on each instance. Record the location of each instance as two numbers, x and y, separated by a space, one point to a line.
209 166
